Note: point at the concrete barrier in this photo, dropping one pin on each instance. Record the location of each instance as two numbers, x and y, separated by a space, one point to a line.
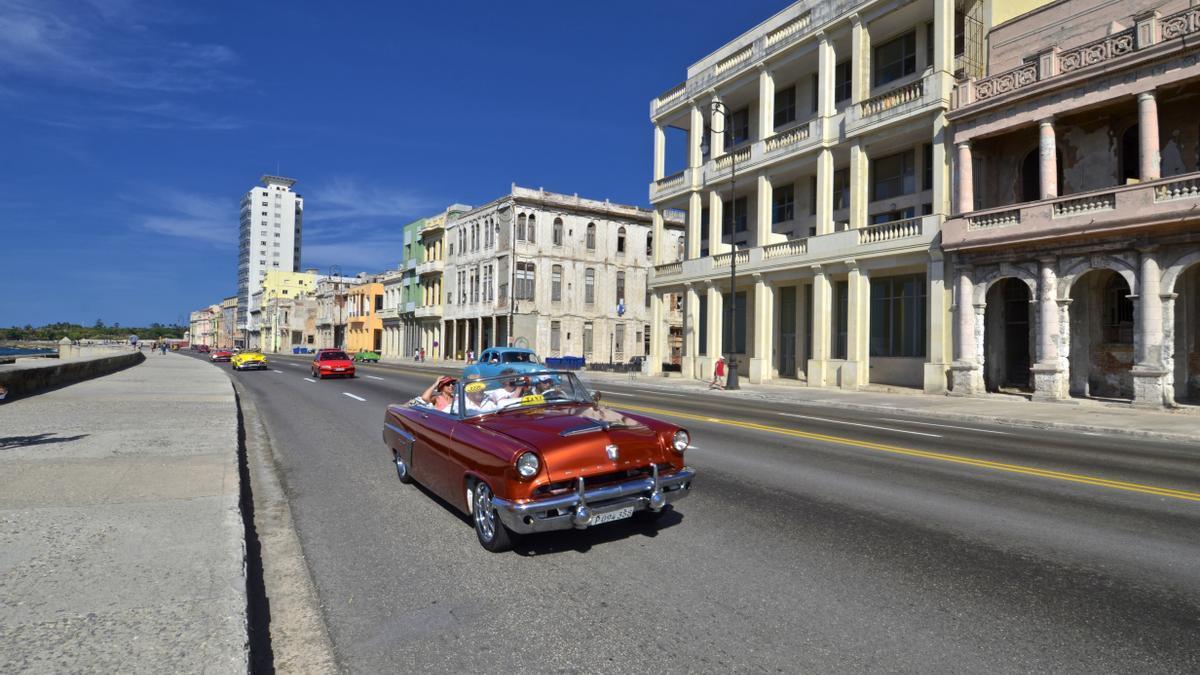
29 378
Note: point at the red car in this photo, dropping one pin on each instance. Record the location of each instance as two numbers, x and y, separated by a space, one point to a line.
221 355
203 349
535 453
331 363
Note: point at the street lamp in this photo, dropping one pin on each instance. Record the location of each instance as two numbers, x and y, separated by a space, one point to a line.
731 380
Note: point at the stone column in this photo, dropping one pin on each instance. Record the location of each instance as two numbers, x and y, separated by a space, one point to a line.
860 60
691 333
1149 372
693 236
966 180
695 137
824 191
660 151
937 344
967 374
715 208
859 186
763 235
716 140
1047 374
822 297
766 101
763 316
856 372
716 329
1048 159
826 64
659 242
1148 160
657 337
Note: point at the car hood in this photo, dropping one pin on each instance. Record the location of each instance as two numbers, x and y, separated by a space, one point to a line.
573 440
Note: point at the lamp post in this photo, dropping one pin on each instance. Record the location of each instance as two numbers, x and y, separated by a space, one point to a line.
731 380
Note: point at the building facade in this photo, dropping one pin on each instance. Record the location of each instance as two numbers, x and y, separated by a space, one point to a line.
556 273
204 326
331 293
269 236
364 328
227 334
815 158
1076 237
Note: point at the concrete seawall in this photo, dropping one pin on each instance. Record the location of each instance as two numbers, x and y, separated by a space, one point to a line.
29 376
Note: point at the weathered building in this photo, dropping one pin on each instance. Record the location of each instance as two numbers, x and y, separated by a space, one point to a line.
1076 238
332 310
558 273
815 157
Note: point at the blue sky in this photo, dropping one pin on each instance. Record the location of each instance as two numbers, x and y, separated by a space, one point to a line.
129 129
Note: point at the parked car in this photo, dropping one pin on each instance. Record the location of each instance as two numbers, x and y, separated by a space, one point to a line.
251 360
541 459
332 363
366 357
221 355
203 349
495 360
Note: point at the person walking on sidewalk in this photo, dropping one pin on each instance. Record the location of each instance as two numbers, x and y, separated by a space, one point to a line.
718 381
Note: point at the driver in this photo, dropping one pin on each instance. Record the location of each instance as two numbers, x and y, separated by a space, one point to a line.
543 385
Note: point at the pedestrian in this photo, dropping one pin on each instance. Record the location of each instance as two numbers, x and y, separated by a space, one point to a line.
422 355
718 381
163 348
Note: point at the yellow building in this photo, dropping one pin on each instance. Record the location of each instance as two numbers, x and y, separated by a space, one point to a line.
278 286
364 329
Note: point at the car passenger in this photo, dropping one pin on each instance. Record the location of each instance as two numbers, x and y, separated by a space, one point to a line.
511 388
477 402
440 394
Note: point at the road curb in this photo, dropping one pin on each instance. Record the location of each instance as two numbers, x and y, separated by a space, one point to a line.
298 635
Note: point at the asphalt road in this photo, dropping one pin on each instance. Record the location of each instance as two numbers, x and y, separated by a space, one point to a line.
812 542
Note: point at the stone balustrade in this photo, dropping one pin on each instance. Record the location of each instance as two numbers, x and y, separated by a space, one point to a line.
725 259
668 269
994 219
740 155
896 229
793 28
1010 80
1181 23
789 137
1098 51
785 248
734 61
1067 208
1188 188
907 93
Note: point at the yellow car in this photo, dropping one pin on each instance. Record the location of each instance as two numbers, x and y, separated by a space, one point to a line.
248 361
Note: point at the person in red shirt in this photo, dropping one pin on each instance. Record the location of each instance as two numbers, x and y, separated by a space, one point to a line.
718 381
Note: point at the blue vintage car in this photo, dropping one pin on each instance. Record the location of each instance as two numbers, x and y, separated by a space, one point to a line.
494 360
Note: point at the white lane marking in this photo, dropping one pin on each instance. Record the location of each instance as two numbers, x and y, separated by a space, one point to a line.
356 398
373 377
615 393
946 426
309 379
856 424
658 393
296 365
278 371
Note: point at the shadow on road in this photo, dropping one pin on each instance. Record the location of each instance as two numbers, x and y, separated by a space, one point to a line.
10 442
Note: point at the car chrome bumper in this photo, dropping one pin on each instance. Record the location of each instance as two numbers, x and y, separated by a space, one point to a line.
577 509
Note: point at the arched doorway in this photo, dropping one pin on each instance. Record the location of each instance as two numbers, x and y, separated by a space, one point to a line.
1187 337
1008 337
1102 328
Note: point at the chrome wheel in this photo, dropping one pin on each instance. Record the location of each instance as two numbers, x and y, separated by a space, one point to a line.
401 469
485 516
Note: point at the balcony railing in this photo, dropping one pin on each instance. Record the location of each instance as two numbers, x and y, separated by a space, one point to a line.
780 36
667 269
893 98
430 267
890 231
388 313
741 155
1099 51
785 248
724 259
788 138
426 311
669 182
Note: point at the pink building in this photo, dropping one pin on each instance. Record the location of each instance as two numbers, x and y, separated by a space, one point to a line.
1075 232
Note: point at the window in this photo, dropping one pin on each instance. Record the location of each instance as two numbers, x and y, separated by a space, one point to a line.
841 301
555 336
892 176
591 236
927 165
841 189
843 80
650 246
556 283
589 286
785 106
734 217
619 343
587 338
620 287
1130 155
557 236
898 316
532 231
378 302
889 216
621 241
929 43
896 58
521 227
526 281
737 128
783 203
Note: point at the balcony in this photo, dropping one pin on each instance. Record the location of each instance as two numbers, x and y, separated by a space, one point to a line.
900 236
670 186
388 313
1117 209
430 267
898 102
428 311
408 265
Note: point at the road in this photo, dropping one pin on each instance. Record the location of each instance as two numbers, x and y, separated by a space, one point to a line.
813 541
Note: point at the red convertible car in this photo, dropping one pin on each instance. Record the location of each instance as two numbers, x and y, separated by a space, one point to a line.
331 363
534 453
221 355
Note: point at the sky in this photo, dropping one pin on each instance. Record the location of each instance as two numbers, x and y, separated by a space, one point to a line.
130 129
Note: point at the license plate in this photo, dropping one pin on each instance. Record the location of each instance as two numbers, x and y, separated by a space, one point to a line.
339 369
619 514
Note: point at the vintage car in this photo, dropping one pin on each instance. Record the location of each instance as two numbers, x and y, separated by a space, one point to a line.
331 363
366 356
251 360
525 454
221 355
495 360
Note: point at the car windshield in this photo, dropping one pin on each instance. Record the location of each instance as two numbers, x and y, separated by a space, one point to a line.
511 392
334 356
520 357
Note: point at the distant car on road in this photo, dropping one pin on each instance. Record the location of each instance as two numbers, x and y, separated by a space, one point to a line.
366 356
545 456
221 355
249 361
332 363
496 360
203 349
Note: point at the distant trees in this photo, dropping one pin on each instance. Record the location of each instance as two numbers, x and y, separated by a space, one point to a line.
98 331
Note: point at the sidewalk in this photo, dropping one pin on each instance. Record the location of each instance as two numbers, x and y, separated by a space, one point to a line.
121 539
1120 419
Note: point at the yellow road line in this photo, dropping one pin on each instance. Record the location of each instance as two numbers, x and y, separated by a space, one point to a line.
939 456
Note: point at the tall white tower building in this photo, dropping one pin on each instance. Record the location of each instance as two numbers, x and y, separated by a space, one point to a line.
269 237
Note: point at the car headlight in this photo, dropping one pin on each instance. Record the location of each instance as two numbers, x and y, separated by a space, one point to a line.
681 441
527 465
